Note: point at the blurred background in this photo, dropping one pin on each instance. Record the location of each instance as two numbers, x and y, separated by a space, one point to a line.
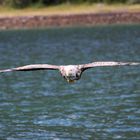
25 3
39 105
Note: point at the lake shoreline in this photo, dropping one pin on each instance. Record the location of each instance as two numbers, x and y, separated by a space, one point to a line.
85 19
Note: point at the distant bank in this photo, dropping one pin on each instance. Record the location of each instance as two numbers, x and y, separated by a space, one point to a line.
27 22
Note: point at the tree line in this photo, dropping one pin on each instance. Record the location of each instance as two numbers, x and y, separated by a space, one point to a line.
26 3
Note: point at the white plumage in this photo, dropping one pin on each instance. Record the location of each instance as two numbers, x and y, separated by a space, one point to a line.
70 72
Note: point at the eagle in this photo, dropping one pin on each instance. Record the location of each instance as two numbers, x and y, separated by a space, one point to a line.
70 72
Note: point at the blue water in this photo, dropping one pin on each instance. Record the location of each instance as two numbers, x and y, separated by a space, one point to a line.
40 105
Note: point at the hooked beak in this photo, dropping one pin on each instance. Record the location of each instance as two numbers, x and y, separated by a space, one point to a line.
70 81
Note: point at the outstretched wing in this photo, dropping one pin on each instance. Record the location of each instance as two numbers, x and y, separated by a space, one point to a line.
109 63
33 67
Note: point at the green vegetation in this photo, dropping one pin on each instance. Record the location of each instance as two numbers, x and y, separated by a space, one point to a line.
68 9
60 7
43 3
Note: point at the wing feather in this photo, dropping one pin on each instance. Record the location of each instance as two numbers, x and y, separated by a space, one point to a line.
108 63
33 67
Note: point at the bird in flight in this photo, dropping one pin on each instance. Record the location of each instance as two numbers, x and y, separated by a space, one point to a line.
70 72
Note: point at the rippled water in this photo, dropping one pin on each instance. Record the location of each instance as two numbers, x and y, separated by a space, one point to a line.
39 105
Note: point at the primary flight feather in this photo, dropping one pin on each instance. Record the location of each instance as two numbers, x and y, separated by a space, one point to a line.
70 72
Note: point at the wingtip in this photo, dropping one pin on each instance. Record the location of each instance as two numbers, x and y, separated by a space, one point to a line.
135 63
129 63
7 70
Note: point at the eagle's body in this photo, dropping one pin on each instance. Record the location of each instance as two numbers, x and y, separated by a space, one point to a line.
70 72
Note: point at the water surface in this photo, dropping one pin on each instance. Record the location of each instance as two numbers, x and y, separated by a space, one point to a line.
104 104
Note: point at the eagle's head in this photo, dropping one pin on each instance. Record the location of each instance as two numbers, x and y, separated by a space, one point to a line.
71 72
